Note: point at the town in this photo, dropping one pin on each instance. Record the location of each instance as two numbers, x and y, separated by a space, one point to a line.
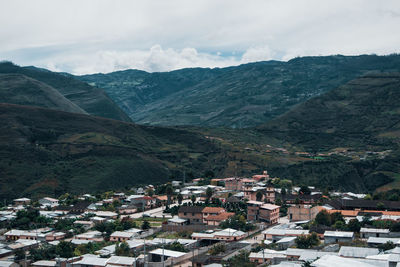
236 221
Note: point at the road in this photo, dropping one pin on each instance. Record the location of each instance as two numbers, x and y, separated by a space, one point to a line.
157 212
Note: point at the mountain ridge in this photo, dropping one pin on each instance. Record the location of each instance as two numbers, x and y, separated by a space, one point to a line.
242 96
20 89
92 100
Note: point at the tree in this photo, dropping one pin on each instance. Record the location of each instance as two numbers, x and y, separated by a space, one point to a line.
380 206
217 249
283 191
388 245
259 195
395 227
150 192
19 254
180 198
209 174
337 217
122 249
193 198
368 197
239 260
323 218
145 225
339 225
209 193
176 246
354 225
305 190
169 191
307 241
64 249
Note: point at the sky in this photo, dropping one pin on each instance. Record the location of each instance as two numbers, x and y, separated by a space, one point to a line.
91 36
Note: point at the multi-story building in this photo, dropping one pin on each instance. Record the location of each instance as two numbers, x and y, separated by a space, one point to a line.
269 213
233 184
259 211
303 212
193 214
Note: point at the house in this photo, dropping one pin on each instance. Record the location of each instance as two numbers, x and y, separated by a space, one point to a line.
259 211
53 236
267 256
193 214
14 234
44 263
177 221
158 255
285 242
141 201
253 210
217 219
91 236
259 177
121 261
276 234
357 252
22 201
211 211
80 207
119 196
91 260
301 212
337 236
376 241
8 264
48 201
233 184
373 232
269 213
106 214
85 224
120 236
229 235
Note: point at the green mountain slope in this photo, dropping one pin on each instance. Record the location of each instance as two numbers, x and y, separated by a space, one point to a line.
242 96
364 113
22 90
93 100
50 152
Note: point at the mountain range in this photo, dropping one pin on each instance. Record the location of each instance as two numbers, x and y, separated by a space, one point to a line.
237 97
91 100
60 134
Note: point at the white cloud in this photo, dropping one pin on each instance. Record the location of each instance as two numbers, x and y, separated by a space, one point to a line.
156 35
260 53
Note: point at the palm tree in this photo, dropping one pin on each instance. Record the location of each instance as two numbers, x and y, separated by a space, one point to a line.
259 195
209 193
169 191
180 198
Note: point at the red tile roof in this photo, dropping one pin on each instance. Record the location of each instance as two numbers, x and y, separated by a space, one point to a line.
212 210
220 217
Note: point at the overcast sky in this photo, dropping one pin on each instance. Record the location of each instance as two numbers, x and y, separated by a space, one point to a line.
89 36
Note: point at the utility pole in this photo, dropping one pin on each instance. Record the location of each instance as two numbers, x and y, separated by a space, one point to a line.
144 253
163 262
263 255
